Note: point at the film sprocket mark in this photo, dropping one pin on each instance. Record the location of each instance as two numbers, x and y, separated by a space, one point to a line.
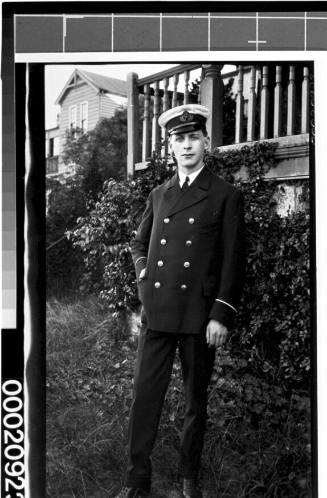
13 481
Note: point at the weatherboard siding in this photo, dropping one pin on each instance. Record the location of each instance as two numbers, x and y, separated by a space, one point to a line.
76 96
99 105
108 106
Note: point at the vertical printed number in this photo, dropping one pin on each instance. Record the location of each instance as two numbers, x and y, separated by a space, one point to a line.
17 387
13 439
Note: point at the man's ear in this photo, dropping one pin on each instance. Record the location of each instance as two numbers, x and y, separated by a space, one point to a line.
206 143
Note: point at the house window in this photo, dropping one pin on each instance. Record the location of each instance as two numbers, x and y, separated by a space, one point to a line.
84 116
52 165
51 147
72 119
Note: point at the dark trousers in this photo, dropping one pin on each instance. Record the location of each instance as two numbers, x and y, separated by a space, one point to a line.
153 371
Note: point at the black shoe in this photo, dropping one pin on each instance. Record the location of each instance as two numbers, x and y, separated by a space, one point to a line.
132 493
190 489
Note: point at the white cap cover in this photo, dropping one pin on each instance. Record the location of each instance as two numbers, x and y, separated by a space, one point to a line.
184 118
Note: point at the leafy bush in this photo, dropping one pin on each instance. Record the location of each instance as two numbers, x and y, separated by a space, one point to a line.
104 235
99 154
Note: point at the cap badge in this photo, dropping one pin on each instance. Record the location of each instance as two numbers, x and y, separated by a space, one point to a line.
185 117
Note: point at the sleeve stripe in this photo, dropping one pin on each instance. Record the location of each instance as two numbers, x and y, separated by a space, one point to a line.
138 259
227 304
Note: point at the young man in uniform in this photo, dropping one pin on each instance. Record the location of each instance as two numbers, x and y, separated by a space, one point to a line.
189 259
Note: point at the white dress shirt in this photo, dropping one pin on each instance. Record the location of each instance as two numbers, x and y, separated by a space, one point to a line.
192 176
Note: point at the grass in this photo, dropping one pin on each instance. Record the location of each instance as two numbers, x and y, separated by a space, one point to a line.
89 378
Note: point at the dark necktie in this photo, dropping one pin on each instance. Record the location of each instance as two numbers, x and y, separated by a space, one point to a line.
185 184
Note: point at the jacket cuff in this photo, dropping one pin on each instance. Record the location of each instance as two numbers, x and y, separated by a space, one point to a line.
223 313
140 263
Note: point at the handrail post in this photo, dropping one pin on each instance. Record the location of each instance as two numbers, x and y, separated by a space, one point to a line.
212 94
132 122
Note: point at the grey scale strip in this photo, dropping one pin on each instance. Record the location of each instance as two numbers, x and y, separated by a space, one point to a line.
157 32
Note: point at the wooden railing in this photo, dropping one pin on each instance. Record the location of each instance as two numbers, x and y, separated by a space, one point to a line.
270 101
278 102
147 99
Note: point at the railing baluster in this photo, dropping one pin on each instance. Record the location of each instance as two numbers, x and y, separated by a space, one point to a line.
199 95
239 107
155 126
164 149
166 94
212 94
146 149
252 106
186 91
305 102
201 84
291 102
264 104
278 99
176 79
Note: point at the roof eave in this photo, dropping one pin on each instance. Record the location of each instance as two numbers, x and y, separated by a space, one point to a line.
66 88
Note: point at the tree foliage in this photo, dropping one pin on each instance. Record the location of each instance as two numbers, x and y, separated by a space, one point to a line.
64 265
99 154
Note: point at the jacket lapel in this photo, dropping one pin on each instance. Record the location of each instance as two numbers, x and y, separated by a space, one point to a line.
170 196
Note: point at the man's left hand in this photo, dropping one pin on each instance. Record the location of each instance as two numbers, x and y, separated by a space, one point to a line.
216 333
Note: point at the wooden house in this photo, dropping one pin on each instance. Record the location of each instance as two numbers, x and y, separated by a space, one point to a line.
84 100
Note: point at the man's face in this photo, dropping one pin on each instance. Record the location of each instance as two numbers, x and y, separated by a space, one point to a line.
188 149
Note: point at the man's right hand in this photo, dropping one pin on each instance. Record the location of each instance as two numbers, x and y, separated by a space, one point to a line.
142 274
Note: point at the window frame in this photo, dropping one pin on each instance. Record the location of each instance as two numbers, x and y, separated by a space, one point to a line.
71 122
84 103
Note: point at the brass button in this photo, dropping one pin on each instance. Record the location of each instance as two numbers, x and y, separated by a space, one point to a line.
187 264
160 263
191 220
163 242
166 220
157 285
188 243
183 287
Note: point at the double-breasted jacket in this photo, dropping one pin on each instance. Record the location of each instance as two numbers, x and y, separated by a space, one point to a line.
192 246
